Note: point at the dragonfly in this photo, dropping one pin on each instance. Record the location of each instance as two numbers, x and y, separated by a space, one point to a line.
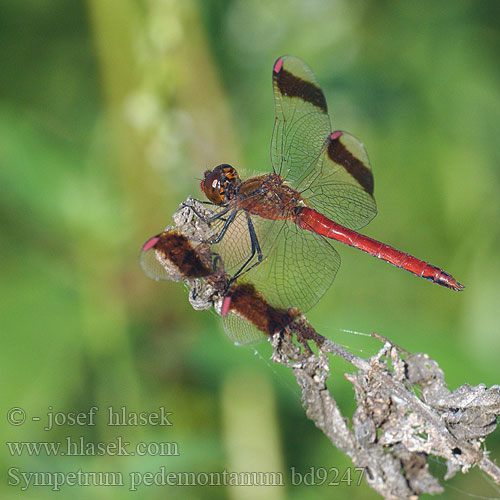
274 230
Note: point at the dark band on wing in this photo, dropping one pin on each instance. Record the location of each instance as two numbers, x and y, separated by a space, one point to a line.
248 303
177 249
341 155
293 86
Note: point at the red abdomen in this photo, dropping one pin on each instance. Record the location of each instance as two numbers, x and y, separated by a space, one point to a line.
313 221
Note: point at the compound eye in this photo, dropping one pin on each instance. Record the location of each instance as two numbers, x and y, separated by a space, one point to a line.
210 185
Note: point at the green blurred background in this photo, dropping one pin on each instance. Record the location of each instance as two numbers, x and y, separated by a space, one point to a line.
109 113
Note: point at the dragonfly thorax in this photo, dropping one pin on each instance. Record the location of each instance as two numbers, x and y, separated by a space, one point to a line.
220 184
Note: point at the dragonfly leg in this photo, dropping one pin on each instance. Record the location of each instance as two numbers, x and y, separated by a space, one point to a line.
255 251
220 216
217 216
207 220
226 225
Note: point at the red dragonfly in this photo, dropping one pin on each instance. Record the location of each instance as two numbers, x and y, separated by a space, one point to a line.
273 228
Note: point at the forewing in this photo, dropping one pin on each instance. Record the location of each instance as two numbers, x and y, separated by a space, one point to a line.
341 184
332 171
301 118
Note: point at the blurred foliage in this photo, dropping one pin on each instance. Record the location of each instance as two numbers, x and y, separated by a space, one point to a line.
110 112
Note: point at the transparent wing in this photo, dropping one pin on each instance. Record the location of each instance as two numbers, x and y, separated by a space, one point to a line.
301 123
341 184
331 170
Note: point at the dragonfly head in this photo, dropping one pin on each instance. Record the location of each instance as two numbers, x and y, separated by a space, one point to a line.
219 184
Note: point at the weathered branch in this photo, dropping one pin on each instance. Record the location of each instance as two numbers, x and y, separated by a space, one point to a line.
393 431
